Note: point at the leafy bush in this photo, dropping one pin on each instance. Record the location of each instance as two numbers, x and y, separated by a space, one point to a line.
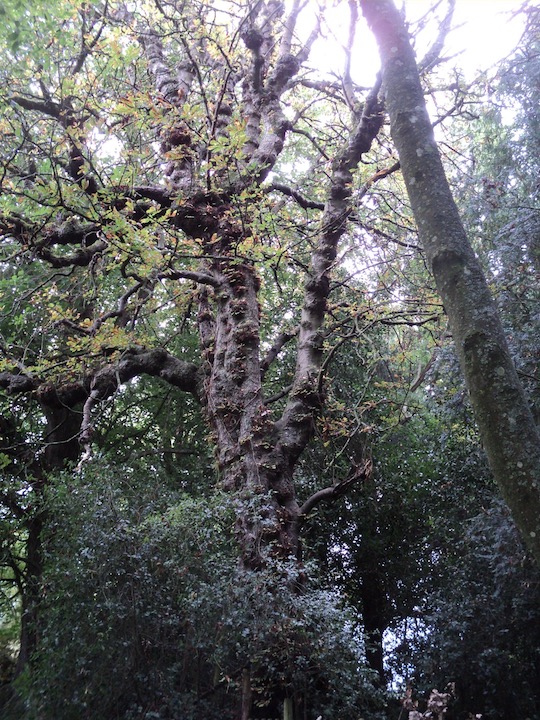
147 614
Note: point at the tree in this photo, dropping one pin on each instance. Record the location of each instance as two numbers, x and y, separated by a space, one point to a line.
215 164
144 161
505 420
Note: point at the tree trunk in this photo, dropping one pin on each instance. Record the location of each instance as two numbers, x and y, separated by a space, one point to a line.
28 638
62 446
372 586
373 617
288 713
505 421
246 695
250 462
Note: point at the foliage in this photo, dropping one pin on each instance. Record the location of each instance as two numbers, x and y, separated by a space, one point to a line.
147 615
484 622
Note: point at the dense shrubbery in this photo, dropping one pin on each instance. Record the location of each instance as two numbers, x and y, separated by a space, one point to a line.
147 614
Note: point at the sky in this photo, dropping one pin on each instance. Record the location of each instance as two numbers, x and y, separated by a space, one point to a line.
484 34
488 33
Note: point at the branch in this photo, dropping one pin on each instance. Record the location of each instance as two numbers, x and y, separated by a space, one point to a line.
296 423
198 277
66 117
379 175
17 384
289 28
156 362
104 382
348 87
120 313
81 258
330 88
300 199
318 147
432 56
14 226
267 123
360 472
86 48
68 233
386 236
157 194
422 372
278 396
280 342
173 87
47 107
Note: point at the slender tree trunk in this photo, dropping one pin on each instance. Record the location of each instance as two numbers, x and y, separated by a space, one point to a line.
246 695
373 616
505 421
62 446
372 591
288 713
30 598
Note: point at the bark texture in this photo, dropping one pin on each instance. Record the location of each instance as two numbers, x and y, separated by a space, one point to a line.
505 421
218 120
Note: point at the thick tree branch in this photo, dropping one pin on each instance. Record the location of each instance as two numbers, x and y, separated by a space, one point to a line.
198 277
156 362
304 203
16 383
105 381
267 123
348 86
296 424
279 343
39 240
173 88
81 258
432 56
46 106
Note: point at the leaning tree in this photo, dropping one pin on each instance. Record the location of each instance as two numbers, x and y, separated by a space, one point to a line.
504 418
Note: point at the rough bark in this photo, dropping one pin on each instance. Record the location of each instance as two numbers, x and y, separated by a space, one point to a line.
505 422
194 200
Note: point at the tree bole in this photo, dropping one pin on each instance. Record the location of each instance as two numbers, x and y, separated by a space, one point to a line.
505 421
